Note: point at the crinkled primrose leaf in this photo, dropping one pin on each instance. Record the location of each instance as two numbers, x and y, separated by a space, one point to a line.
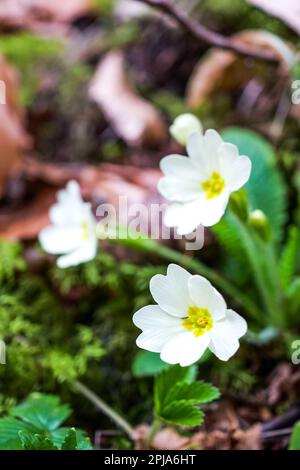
178 396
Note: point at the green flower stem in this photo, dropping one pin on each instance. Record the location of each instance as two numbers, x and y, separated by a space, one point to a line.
272 267
255 256
200 268
105 408
156 425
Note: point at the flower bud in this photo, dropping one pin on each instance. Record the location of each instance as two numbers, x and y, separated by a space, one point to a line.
183 126
259 221
239 204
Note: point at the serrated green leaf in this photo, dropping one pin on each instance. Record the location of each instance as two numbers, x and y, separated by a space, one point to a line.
36 441
147 364
168 378
83 442
295 438
70 440
195 393
16 432
13 444
43 411
10 427
58 436
182 413
177 396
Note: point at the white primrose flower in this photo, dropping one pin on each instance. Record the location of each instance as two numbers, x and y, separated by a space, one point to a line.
190 317
73 230
199 186
185 125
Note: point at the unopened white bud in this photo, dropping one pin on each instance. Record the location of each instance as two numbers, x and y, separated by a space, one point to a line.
185 125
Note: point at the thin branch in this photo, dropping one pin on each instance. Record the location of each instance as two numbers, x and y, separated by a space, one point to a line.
277 433
203 34
105 408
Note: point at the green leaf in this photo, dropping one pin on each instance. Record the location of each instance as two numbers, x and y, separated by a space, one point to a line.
147 364
182 413
293 296
228 234
43 411
84 443
289 257
36 441
168 378
196 393
13 444
295 438
266 188
177 394
59 435
37 427
70 440
10 427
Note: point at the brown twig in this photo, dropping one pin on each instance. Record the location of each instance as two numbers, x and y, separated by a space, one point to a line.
201 33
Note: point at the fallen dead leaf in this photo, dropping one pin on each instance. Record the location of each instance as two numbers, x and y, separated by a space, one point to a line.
165 439
282 383
31 13
220 431
249 439
101 184
133 118
287 10
27 221
225 71
223 431
13 137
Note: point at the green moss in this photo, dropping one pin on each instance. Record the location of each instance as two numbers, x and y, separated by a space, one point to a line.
237 15
112 151
105 6
122 35
74 79
11 260
28 53
36 328
58 324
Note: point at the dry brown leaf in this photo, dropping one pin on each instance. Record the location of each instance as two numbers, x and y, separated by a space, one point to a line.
27 221
28 13
249 439
165 439
105 183
282 383
211 440
287 10
133 118
169 439
13 137
225 71
223 431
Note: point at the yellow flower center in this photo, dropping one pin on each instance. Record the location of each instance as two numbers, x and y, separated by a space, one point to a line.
85 231
214 186
199 320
